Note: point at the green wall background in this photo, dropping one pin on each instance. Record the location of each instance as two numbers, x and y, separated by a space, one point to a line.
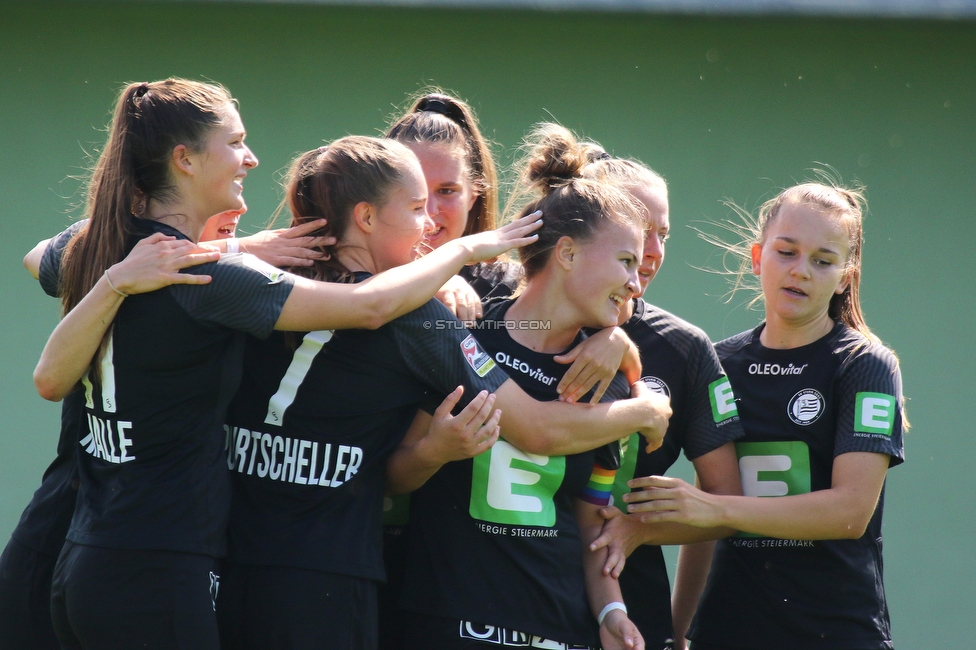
722 107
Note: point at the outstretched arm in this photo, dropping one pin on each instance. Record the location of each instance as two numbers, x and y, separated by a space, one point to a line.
561 429
716 472
388 295
841 512
283 247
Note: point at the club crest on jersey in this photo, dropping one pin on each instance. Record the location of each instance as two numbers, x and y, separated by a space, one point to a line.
657 385
806 407
479 360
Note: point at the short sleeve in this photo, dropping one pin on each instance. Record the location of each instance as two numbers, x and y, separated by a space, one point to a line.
49 273
441 352
244 294
870 413
713 419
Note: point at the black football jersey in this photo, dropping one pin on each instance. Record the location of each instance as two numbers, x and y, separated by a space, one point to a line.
313 424
494 539
801 408
151 455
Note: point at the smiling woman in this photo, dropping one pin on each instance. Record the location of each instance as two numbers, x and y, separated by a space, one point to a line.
138 564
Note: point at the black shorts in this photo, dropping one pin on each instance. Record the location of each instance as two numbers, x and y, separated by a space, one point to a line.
423 632
115 598
285 608
25 599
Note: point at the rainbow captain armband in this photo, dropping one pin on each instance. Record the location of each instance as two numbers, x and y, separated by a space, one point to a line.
597 490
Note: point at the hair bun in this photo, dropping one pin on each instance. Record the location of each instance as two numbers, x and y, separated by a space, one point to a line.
555 157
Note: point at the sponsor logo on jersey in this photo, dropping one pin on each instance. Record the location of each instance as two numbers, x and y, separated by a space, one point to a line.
511 638
722 400
479 360
806 407
874 413
510 486
775 369
274 275
517 364
657 385
773 469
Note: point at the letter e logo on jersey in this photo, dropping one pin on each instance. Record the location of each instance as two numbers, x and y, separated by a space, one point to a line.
806 407
874 413
510 486
722 399
479 360
773 469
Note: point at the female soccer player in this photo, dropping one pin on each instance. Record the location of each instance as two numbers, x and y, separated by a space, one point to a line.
138 564
28 560
820 401
313 422
462 190
678 360
497 542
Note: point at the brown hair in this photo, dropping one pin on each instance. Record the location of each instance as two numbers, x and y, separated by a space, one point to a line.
833 200
150 120
827 197
438 118
572 206
329 181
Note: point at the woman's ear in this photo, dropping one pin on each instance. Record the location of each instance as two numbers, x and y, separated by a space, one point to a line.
182 160
364 216
756 253
845 282
564 252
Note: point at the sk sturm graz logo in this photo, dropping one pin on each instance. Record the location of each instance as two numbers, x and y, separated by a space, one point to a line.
806 407
478 359
657 385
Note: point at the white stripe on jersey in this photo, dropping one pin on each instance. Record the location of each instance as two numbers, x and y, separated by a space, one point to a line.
89 402
108 377
107 365
301 361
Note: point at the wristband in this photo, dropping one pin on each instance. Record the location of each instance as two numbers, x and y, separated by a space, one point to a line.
609 608
232 246
108 279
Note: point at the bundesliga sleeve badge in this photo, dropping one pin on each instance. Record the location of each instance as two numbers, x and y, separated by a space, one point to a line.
479 360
